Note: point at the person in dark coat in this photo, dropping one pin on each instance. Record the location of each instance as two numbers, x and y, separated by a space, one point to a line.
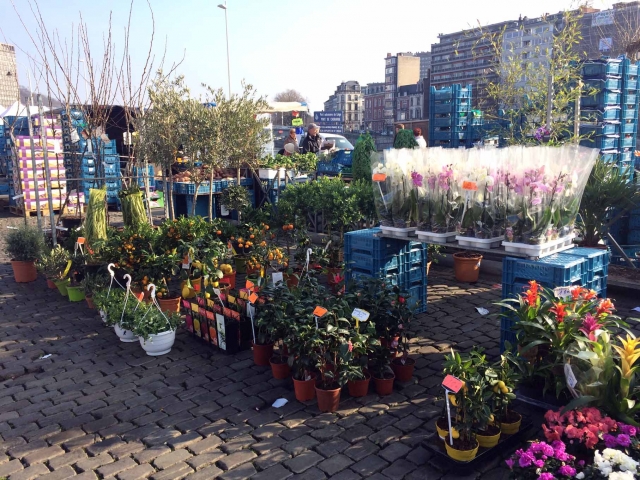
312 142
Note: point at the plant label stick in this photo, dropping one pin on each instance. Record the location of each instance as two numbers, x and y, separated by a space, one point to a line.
318 312
446 396
360 316
450 384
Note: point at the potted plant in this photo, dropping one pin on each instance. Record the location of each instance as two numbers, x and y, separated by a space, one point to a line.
236 197
156 330
503 394
466 266
301 343
91 283
75 291
361 344
52 265
433 254
271 326
402 316
24 245
122 311
383 375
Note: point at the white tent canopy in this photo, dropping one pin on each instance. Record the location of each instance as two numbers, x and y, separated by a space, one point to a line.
19 110
286 107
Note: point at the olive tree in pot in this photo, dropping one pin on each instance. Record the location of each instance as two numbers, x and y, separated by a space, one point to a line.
52 264
24 246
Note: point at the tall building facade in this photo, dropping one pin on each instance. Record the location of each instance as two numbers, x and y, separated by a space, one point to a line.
410 102
374 106
400 70
9 90
425 64
349 100
611 32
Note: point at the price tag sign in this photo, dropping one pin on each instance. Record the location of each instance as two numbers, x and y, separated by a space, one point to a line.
277 277
253 297
468 185
249 285
360 316
452 383
562 292
572 381
379 177
319 311
80 240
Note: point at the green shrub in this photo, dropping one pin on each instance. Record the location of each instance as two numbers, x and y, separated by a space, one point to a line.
25 244
365 146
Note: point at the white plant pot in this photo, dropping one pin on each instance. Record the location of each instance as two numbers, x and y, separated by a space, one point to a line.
126 336
103 316
158 344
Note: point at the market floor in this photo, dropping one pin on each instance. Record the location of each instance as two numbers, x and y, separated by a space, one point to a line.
76 402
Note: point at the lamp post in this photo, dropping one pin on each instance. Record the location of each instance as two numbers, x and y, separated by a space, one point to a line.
223 6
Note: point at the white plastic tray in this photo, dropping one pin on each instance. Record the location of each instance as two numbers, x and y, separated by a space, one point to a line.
267 173
440 238
472 242
539 251
399 232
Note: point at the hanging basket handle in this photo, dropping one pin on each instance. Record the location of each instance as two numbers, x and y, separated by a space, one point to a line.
152 288
126 297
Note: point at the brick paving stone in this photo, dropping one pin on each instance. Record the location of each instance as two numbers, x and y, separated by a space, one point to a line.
385 436
242 472
92 463
311 474
10 467
277 472
30 473
114 468
237 458
126 450
394 451
303 461
149 454
67 459
205 474
175 472
399 468
332 447
268 431
238 443
184 440
272 458
168 459
419 456
295 432
335 464
205 459
361 450
203 446
60 474
369 465
136 473
346 475
42 454
300 445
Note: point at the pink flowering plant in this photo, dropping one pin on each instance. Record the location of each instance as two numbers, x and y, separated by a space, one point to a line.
542 461
440 209
586 426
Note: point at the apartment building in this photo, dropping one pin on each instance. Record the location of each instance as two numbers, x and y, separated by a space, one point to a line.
348 99
400 70
374 106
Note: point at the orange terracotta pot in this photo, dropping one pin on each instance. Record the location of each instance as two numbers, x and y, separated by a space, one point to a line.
24 272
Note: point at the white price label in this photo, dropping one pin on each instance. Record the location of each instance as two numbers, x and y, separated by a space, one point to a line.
360 315
277 277
562 292
571 378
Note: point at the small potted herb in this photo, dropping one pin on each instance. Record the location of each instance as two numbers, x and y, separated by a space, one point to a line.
52 265
91 283
24 246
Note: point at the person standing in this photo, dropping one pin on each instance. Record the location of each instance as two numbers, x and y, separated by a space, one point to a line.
399 127
292 139
417 133
312 142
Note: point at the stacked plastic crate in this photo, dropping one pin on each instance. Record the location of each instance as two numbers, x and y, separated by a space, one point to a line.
403 262
28 185
601 113
629 120
91 160
449 119
587 267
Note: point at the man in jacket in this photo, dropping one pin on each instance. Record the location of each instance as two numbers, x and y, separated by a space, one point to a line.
312 142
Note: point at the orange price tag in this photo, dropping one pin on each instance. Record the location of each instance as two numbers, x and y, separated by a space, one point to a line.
253 297
249 284
379 177
452 383
319 311
80 240
467 185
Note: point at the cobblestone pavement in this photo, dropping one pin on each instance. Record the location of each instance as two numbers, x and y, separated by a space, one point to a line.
99 408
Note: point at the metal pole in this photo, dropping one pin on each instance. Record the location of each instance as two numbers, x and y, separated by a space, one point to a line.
33 166
47 173
576 118
549 101
226 27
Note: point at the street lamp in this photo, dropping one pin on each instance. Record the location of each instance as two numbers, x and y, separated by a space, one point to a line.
226 26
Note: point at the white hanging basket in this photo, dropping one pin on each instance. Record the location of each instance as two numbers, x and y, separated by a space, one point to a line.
126 336
159 344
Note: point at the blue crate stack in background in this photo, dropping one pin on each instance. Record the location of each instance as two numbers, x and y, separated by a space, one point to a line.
403 262
89 159
452 121
587 267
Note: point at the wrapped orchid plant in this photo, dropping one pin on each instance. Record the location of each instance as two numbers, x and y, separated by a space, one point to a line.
526 194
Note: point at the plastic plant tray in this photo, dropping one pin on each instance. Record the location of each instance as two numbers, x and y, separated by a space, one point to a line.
479 242
436 445
398 232
440 238
538 251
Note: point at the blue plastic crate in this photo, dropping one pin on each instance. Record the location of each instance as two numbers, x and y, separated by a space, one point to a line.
417 298
599 284
595 259
633 237
600 129
630 83
556 270
601 142
630 69
445 135
600 100
601 68
628 127
629 99
634 221
329 167
629 112
608 83
111 169
628 141
610 156
507 334
88 171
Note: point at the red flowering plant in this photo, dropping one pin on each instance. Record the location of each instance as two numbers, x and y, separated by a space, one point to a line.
582 427
547 324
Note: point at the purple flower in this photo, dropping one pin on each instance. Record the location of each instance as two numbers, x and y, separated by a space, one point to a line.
567 471
509 463
563 457
417 179
623 440
581 463
526 460
628 429
541 132
558 446
610 441
539 463
546 476
432 182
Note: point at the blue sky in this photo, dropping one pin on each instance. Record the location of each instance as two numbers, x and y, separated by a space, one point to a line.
274 45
